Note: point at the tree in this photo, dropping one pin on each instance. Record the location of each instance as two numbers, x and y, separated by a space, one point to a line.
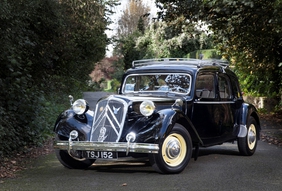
136 14
131 25
175 40
103 69
48 49
248 31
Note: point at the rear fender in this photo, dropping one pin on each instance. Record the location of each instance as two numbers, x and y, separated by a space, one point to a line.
68 121
170 118
248 110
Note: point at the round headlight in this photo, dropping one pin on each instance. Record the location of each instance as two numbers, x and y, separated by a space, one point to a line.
147 108
79 106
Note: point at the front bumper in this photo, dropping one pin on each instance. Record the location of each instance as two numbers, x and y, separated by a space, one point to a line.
107 146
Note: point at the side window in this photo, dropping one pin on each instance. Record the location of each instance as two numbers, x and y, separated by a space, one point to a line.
224 87
236 88
205 86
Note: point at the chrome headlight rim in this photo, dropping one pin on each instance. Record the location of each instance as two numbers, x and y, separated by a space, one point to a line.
147 108
80 106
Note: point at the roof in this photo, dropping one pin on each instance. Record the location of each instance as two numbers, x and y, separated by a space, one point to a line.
180 61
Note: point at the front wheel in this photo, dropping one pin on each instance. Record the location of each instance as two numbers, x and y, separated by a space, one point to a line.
247 145
69 162
175 151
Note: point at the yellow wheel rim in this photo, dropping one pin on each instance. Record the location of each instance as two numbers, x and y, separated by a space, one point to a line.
252 136
174 150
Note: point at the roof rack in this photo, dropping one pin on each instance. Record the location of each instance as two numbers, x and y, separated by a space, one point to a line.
215 62
195 62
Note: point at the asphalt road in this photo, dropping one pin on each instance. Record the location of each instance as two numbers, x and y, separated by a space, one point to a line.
218 168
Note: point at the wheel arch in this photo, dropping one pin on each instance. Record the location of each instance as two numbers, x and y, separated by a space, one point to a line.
248 110
68 121
173 116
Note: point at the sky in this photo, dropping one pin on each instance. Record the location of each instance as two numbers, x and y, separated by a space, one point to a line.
119 9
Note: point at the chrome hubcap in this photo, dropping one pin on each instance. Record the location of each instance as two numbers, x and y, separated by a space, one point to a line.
173 148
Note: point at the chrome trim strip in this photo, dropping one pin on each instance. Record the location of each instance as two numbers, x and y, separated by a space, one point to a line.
107 146
214 102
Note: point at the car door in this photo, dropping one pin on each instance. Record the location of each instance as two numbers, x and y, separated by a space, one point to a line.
227 106
212 115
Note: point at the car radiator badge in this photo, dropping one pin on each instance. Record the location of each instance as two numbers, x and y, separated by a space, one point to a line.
116 110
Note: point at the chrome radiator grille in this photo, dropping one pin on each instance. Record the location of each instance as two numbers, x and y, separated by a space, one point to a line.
109 119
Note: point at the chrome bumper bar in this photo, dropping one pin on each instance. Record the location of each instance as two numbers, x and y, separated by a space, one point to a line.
107 146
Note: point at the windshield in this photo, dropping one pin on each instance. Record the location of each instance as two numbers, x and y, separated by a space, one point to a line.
177 83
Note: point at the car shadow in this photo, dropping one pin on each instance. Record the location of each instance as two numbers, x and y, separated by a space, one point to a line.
123 166
225 149
143 165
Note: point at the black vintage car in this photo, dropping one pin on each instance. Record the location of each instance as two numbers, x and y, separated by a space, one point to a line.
164 110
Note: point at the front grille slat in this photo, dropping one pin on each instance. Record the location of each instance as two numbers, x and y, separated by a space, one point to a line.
112 125
108 120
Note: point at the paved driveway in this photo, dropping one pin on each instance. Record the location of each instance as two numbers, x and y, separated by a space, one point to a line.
217 168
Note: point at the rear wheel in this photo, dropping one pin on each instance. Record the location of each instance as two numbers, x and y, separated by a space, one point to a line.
247 145
175 151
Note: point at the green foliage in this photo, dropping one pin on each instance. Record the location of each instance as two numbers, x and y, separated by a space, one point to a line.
162 40
258 83
115 84
95 86
248 31
128 49
207 53
48 48
117 75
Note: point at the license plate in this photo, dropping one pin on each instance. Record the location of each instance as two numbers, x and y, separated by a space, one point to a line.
100 155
